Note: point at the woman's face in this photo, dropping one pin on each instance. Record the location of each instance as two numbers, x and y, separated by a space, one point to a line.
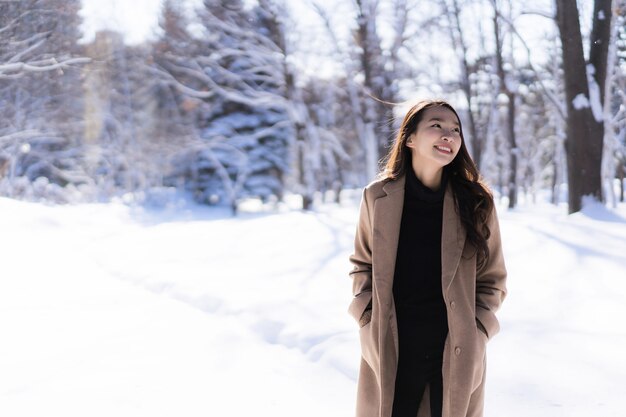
437 139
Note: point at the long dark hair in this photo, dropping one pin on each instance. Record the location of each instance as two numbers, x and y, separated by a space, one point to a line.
474 201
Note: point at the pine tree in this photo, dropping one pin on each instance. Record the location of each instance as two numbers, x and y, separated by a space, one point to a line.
242 131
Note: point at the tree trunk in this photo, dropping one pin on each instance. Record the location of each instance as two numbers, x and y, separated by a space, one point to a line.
378 81
513 151
585 127
306 139
620 176
554 198
458 40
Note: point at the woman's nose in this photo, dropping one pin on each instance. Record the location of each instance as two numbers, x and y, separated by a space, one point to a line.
448 135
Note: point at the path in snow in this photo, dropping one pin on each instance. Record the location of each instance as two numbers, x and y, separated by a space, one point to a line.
110 311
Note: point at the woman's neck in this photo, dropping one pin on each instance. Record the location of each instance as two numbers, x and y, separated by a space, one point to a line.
431 178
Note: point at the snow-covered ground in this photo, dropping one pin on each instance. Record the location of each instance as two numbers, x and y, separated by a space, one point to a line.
111 311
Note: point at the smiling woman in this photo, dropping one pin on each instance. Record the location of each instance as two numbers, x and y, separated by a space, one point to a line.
434 144
428 274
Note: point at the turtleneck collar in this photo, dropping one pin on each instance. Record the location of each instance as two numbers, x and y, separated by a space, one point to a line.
415 189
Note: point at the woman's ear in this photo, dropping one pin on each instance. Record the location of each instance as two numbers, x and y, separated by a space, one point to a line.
410 142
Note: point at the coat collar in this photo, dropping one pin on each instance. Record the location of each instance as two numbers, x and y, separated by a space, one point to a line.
395 186
387 218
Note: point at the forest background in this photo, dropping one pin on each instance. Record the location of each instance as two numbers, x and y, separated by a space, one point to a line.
231 100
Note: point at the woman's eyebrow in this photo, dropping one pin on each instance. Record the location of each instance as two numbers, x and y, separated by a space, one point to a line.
437 119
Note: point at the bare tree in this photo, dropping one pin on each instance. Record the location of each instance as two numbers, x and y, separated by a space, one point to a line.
373 71
615 108
459 40
40 91
585 93
28 34
511 95
379 82
619 96
125 150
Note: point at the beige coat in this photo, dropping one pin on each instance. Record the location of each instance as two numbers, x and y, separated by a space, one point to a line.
470 295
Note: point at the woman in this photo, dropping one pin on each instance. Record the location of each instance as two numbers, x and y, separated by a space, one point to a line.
428 274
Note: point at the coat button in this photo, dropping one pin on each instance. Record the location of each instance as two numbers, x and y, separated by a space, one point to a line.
453 305
457 350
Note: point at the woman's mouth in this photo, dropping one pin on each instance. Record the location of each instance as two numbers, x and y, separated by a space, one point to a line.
443 149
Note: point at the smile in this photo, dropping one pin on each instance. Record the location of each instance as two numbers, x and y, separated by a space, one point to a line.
443 149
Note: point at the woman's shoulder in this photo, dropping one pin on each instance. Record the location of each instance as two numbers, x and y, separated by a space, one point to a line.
378 183
376 187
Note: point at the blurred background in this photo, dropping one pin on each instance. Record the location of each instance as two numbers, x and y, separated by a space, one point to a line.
231 100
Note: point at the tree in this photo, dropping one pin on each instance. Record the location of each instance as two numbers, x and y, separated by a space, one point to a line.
613 160
124 148
619 80
507 87
379 80
584 92
240 139
40 91
374 68
29 32
459 40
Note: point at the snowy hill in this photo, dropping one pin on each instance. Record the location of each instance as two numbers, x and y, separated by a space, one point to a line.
112 311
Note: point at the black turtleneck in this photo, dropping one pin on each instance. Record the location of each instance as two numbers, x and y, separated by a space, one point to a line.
420 308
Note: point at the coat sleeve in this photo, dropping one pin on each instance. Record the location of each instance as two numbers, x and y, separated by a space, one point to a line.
361 260
491 281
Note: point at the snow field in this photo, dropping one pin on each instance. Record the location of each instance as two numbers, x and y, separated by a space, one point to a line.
107 310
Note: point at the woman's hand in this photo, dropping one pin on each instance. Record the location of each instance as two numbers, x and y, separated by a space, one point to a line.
366 317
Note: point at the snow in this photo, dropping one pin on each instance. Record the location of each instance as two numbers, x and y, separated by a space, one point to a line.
109 310
594 94
138 19
580 102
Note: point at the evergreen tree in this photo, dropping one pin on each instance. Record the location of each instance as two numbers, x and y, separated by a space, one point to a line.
242 131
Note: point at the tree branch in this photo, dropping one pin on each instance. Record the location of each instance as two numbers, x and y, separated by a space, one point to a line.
13 69
559 107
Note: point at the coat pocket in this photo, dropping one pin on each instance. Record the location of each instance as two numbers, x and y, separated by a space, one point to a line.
479 359
369 345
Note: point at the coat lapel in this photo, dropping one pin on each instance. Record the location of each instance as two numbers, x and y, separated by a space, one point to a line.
452 240
386 232
387 219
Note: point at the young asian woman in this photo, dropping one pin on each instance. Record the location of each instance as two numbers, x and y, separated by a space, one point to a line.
428 274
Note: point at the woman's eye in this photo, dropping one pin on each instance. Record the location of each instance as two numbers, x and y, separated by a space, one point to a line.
436 125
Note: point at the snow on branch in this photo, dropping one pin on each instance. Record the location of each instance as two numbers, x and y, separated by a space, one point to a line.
21 136
541 13
38 39
266 131
180 86
238 32
17 69
594 94
247 95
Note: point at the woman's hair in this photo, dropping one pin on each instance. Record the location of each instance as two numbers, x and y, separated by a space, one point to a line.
472 197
